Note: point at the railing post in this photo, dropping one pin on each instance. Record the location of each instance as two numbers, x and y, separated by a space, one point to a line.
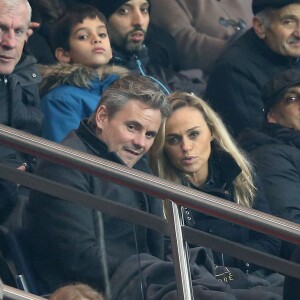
180 255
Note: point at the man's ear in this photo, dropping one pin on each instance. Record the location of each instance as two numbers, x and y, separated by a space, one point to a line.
101 116
259 28
62 55
271 116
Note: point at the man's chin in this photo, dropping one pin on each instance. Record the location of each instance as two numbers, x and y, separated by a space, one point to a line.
134 47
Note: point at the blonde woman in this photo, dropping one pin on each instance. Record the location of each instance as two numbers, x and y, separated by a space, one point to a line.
194 148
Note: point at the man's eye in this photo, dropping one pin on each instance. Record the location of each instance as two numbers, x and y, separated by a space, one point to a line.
288 22
123 11
290 99
173 141
145 10
131 127
103 35
150 135
19 32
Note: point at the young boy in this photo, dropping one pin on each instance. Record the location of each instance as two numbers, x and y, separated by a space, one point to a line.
72 88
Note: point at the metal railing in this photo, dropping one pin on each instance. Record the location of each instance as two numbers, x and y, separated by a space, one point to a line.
149 184
11 293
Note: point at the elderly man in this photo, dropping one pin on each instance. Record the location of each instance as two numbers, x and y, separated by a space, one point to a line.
276 147
271 46
19 95
148 50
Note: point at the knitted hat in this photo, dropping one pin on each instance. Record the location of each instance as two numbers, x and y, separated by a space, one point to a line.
279 84
258 5
108 7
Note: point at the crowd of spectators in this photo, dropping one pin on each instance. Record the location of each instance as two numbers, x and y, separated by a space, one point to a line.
205 94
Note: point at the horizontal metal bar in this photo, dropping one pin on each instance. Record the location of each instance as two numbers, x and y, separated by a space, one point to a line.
200 238
143 182
15 294
74 195
193 236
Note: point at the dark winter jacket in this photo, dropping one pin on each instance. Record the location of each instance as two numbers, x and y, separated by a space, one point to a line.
149 65
234 87
19 99
20 106
68 239
276 153
222 172
71 93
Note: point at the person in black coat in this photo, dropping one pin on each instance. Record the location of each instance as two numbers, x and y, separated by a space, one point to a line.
235 85
194 148
68 240
19 96
276 147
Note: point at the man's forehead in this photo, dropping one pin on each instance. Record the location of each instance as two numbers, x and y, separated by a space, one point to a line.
15 17
293 89
132 2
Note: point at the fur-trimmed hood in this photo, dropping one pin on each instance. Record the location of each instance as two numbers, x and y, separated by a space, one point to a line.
74 74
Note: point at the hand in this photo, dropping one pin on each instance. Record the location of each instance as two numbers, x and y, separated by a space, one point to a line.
23 167
32 26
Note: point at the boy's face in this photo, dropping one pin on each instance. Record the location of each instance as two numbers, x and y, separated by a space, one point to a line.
89 44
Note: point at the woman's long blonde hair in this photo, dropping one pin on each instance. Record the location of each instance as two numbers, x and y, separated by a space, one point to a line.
244 189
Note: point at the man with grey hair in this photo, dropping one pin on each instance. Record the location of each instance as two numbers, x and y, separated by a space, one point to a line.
19 96
271 46
68 240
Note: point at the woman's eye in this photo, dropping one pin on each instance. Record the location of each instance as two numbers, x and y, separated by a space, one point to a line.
103 35
194 134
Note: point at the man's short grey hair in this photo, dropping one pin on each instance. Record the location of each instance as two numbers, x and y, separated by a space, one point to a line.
132 87
13 4
265 16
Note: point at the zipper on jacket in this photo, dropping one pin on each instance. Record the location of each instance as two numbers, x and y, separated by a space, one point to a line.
139 64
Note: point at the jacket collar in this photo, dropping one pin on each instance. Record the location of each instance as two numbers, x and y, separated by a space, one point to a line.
222 171
130 60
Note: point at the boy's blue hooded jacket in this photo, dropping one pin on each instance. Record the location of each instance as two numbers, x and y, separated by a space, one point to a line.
70 93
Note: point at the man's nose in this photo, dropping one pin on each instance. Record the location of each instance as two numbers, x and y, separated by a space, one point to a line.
8 39
296 32
138 18
140 140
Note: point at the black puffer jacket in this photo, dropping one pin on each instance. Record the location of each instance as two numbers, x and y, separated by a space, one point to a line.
72 243
222 172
